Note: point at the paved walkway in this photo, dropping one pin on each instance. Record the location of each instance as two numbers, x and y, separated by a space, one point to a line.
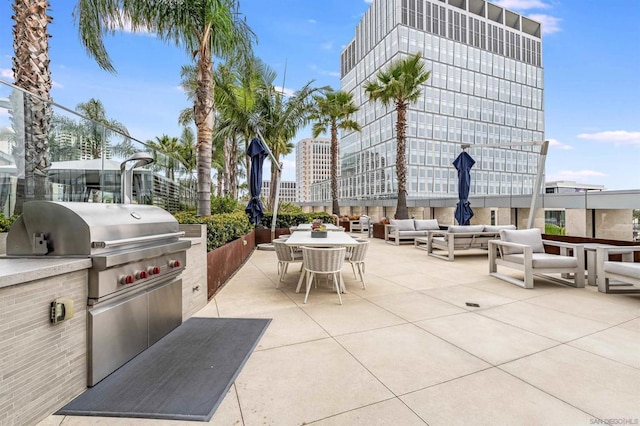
409 351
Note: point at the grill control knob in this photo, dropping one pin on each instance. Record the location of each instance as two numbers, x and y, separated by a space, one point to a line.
174 263
142 275
127 279
153 270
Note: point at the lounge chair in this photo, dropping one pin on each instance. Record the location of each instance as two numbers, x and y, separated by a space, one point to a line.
627 272
524 250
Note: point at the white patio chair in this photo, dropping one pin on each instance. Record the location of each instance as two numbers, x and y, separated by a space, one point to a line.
524 250
285 256
356 259
323 261
626 272
360 225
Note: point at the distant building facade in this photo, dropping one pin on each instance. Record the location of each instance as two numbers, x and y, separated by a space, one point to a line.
313 164
486 87
288 192
569 186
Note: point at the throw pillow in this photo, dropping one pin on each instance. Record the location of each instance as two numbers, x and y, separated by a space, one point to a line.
426 224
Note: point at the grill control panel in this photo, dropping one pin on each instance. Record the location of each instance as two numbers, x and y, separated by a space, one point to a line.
133 274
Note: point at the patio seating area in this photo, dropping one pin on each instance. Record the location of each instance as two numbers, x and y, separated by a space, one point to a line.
409 349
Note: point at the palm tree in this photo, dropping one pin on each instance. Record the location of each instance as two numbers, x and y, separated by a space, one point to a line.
186 150
400 83
205 28
169 148
333 111
31 72
280 117
97 129
238 84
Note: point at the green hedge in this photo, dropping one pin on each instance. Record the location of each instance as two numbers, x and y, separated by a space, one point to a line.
5 222
287 220
221 228
226 227
554 229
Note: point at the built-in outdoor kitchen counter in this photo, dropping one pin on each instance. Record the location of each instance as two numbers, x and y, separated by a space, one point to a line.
44 365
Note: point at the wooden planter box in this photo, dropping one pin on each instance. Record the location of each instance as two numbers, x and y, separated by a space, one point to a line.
346 225
264 235
224 261
378 230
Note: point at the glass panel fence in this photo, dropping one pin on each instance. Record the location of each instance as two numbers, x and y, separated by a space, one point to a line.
48 152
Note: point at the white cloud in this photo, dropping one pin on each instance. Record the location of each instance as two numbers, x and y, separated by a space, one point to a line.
559 145
312 21
284 90
6 73
521 4
368 1
128 28
315 68
550 24
617 137
326 46
56 84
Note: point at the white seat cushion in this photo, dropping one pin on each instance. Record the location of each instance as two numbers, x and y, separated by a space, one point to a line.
498 228
628 269
412 233
456 229
544 260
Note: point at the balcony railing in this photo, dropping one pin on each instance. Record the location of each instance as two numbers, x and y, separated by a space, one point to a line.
50 152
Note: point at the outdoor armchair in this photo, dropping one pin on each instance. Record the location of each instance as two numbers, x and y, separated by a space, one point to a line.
523 250
626 272
327 261
360 225
355 257
286 255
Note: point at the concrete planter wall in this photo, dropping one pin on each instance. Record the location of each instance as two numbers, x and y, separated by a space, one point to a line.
224 261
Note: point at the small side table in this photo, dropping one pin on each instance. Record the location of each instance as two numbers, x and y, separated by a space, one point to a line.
590 252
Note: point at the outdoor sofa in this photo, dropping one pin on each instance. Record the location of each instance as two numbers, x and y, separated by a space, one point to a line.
459 237
408 229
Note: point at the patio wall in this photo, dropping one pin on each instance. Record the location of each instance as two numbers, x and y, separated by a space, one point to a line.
194 277
43 366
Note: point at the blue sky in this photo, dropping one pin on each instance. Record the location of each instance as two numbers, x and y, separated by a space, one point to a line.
591 55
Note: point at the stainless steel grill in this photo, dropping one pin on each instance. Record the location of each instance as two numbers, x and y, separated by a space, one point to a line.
134 289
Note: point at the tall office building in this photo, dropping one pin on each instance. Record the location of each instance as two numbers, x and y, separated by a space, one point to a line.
486 87
313 164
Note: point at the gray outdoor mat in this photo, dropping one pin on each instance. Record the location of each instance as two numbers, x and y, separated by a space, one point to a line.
183 376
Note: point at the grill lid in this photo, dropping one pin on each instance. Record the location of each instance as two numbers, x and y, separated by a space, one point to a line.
85 229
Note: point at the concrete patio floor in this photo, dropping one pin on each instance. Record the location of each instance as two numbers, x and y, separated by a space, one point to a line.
409 351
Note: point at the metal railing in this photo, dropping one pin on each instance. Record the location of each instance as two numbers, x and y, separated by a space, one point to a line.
48 151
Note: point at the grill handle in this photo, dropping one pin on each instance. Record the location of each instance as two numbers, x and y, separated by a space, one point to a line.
125 241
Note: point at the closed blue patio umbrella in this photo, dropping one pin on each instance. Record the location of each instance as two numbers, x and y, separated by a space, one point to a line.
257 151
463 163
